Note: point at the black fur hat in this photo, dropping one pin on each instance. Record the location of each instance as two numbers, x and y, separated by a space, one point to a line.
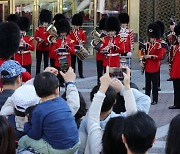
77 19
62 26
12 18
112 24
24 23
123 18
161 25
153 31
102 24
45 16
177 29
59 16
172 21
10 36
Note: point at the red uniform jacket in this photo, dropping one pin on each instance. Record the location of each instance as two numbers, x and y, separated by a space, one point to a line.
100 56
112 59
24 57
41 33
127 39
175 71
81 36
152 66
25 75
70 50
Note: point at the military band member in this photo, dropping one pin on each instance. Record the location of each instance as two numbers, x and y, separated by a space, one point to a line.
12 18
10 36
63 47
79 37
23 56
161 25
127 35
100 56
41 36
171 39
112 45
175 69
152 58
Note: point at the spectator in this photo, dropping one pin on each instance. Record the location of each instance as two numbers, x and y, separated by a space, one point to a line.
95 133
21 99
53 128
173 138
141 138
112 138
142 103
10 73
7 137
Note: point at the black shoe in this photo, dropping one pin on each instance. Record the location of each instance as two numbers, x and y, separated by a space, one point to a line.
81 76
154 103
159 89
144 88
169 79
173 107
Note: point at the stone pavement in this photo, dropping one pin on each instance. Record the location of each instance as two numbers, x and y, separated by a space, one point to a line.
160 112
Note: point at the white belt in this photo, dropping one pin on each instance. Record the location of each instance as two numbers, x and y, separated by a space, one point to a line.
63 53
23 52
113 54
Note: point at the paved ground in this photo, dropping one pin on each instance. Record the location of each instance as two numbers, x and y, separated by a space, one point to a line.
160 112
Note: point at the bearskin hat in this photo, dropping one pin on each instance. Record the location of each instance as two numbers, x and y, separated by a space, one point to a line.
59 16
45 16
177 29
161 25
12 18
123 18
102 24
112 24
153 31
77 19
172 21
62 26
24 23
10 36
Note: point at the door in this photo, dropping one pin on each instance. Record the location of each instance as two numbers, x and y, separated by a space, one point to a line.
4 10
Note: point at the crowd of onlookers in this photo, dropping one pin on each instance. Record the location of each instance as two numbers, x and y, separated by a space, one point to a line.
36 119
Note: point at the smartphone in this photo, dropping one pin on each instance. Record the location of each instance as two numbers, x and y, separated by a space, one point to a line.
117 72
63 64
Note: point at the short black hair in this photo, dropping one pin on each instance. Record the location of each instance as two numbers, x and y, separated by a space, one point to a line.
139 130
45 84
10 36
112 137
173 138
8 81
109 100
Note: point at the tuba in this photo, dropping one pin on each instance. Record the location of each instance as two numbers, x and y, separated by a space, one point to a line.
97 40
53 33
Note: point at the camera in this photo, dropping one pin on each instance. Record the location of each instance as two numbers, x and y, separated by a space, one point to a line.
63 64
117 72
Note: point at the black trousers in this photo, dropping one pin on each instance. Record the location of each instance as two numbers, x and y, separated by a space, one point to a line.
100 70
28 68
176 85
80 64
151 78
39 58
52 62
159 78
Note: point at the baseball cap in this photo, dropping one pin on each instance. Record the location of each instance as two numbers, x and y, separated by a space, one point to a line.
12 67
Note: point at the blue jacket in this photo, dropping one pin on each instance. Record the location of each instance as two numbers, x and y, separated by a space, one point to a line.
53 121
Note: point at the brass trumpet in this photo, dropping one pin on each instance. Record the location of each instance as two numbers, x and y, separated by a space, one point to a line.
53 33
96 42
